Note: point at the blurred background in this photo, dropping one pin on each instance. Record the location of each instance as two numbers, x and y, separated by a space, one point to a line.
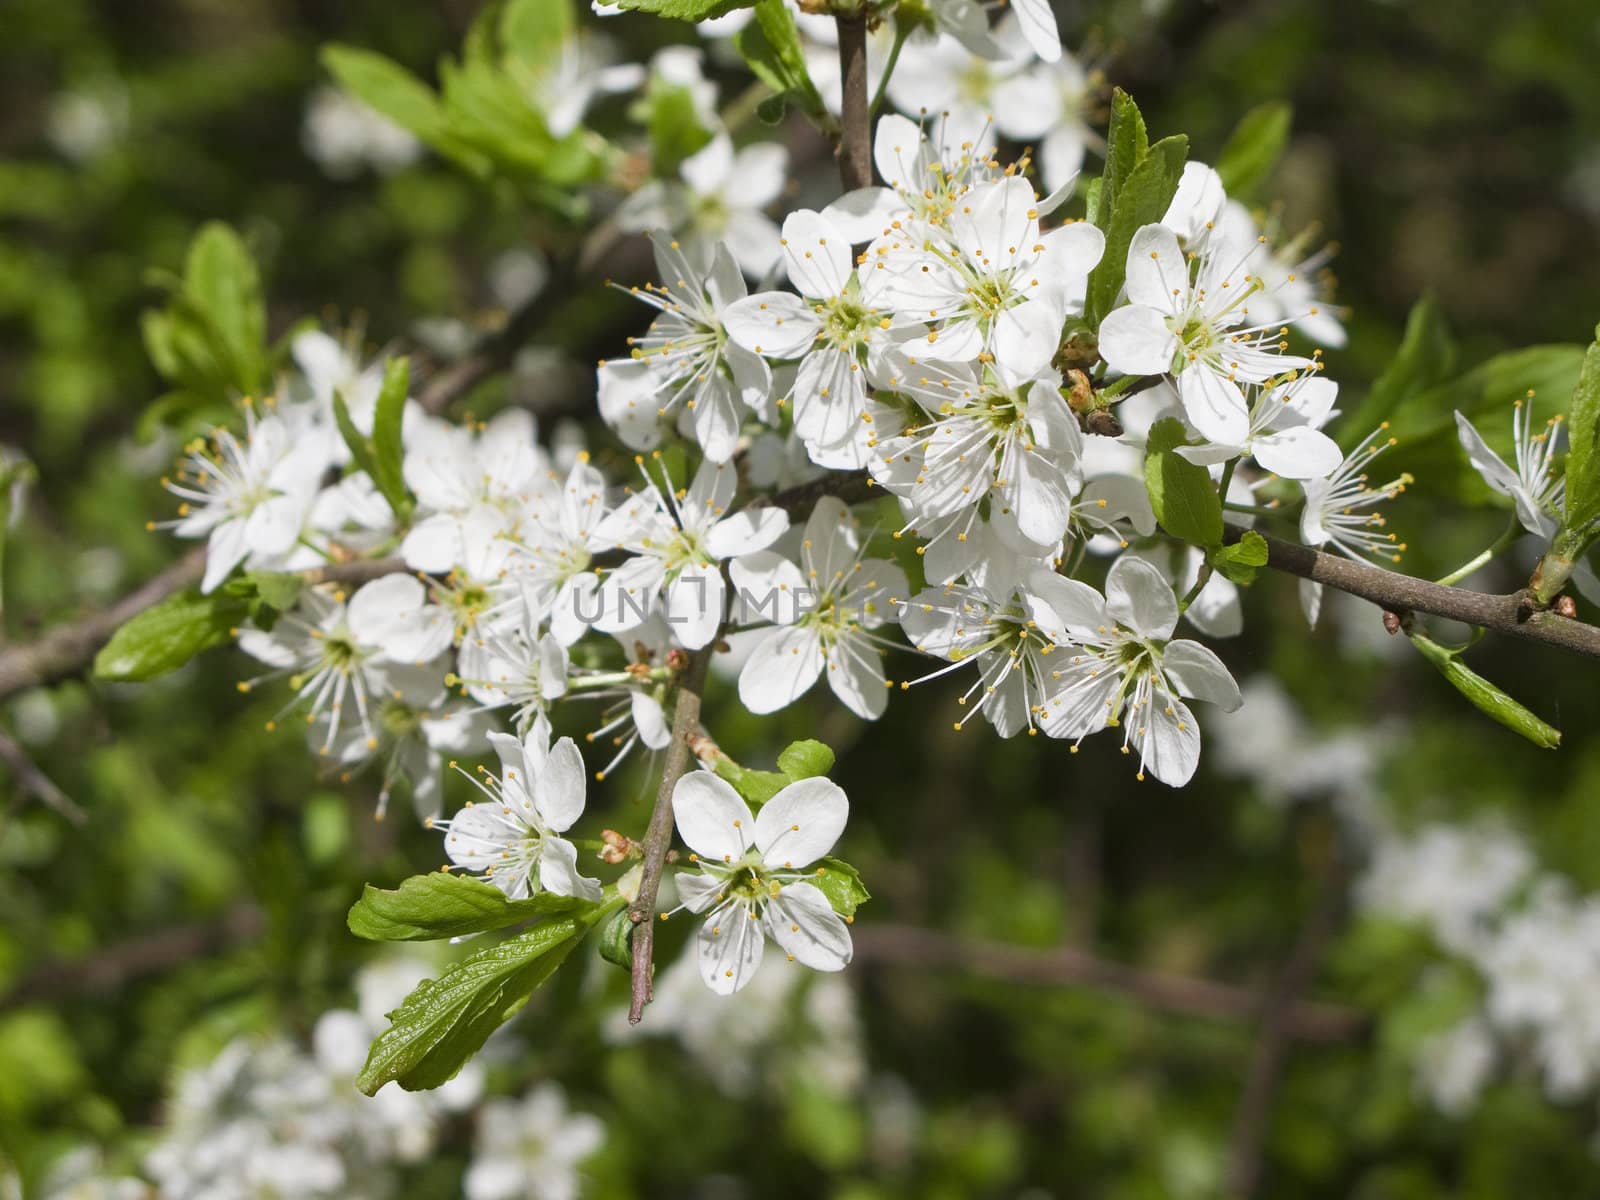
1258 985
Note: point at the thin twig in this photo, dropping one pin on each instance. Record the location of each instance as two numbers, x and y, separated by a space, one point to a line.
67 649
32 780
1269 1057
1067 966
109 968
1515 613
855 114
658 837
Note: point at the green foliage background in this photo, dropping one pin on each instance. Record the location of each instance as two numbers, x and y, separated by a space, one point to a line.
1451 147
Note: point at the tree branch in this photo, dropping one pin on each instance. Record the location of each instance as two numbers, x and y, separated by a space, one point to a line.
855 119
658 837
1269 1057
1065 966
67 649
111 967
1515 613
31 780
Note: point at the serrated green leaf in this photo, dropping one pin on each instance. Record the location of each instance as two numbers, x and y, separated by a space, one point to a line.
841 884
1127 144
1254 147
1425 359
802 760
757 787
1181 493
164 637
685 10
444 1022
1240 561
1485 696
427 908
616 940
387 453
1142 199
1583 433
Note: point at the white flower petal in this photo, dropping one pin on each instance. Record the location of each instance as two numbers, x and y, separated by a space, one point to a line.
806 928
1135 340
1199 674
712 819
782 667
1298 452
729 946
558 789
1140 597
558 871
801 823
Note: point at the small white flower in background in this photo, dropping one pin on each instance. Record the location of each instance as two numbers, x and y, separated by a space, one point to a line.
1285 430
1126 669
824 612
1534 485
562 88
1454 1066
1200 330
1297 284
1449 878
686 366
531 1149
924 169
679 542
752 883
249 498
79 1174
459 473
82 124
720 200
343 659
343 135
514 840
560 536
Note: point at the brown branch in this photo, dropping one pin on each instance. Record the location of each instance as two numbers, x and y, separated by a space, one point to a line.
1515 613
68 649
32 781
1269 1057
1066 966
855 114
109 968
658 837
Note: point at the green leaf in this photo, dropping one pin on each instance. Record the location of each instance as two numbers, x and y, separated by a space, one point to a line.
1127 144
757 787
1181 493
388 88
1583 461
427 908
1240 561
802 760
1254 147
685 10
771 47
360 445
535 30
278 589
1426 357
387 454
675 129
616 940
223 288
1485 696
164 637
1141 200
444 1022
841 884
1488 391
